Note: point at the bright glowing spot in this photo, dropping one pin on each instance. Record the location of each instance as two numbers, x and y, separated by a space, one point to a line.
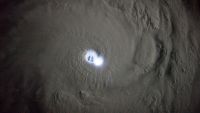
98 61
92 57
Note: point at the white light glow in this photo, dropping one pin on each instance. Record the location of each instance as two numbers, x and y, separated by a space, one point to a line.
92 57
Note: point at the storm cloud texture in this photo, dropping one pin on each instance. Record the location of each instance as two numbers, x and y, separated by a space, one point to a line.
150 50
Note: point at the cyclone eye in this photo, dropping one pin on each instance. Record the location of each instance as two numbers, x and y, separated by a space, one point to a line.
92 57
